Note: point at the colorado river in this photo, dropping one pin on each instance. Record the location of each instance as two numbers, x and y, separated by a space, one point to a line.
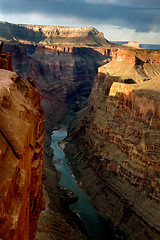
83 206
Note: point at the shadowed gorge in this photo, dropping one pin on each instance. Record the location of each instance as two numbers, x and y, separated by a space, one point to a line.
64 75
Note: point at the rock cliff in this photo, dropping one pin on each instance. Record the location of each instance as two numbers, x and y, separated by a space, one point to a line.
63 60
44 34
118 142
64 75
21 148
133 66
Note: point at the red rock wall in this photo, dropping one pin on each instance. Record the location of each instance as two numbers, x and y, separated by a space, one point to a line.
118 162
131 55
130 117
21 148
133 64
64 74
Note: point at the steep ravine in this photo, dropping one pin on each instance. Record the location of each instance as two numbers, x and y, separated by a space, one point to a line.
64 75
114 150
80 203
21 148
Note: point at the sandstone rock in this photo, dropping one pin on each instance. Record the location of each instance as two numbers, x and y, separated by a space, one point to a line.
5 59
118 158
132 45
133 66
21 148
64 74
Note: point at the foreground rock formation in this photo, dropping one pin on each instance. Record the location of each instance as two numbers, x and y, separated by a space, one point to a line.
118 158
21 148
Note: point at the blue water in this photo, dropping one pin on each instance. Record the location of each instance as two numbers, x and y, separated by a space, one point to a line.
150 46
83 206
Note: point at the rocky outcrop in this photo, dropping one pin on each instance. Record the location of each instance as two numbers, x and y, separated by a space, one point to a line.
5 59
133 66
118 158
45 34
21 148
132 45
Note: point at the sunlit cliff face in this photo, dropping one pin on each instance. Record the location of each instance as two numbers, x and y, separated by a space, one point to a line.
118 144
133 64
21 149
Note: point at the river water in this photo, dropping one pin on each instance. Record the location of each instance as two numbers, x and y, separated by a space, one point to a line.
83 206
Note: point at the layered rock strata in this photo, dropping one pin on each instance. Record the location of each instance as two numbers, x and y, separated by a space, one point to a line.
21 148
64 75
45 34
118 158
133 66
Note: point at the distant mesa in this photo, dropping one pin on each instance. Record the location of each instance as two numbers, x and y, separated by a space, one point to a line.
49 35
132 45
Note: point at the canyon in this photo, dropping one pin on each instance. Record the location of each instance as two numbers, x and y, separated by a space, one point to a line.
113 141
21 147
64 75
64 70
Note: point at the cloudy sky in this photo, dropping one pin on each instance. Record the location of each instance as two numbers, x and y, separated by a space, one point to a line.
119 20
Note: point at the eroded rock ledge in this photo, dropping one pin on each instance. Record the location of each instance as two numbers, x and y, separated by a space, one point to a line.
21 148
133 65
118 158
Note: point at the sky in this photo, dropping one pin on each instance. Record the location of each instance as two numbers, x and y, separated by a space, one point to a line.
119 20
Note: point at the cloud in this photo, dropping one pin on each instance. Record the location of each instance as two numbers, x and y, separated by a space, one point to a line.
140 15
131 3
